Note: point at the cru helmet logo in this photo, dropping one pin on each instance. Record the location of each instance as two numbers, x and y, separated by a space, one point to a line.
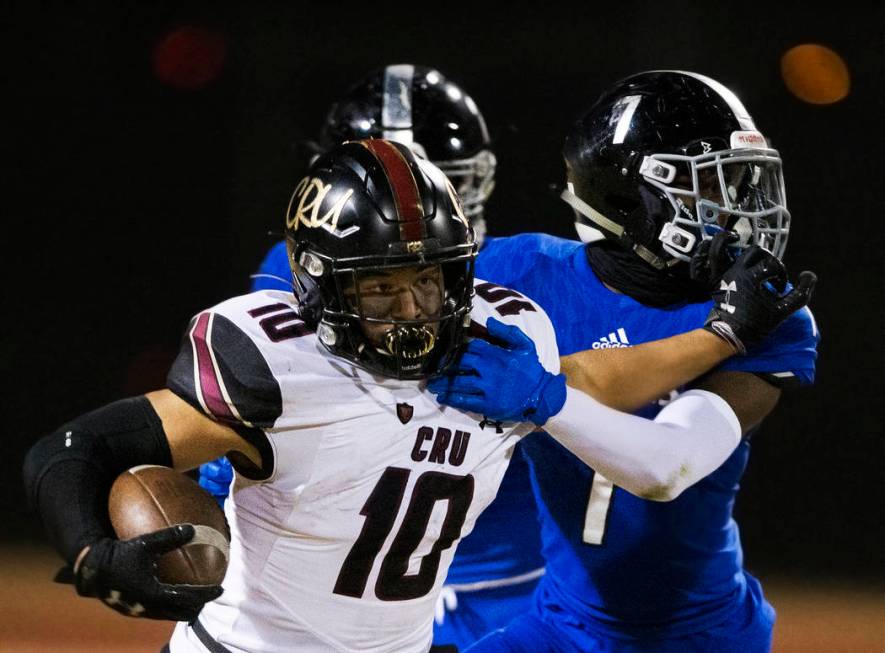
707 147
309 195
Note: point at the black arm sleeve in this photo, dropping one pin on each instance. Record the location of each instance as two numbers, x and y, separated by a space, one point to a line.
68 474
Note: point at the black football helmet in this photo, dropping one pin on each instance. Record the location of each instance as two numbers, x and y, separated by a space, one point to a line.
373 206
419 107
665 159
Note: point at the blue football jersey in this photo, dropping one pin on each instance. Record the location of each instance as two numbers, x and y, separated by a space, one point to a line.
628 565
505 541
274 272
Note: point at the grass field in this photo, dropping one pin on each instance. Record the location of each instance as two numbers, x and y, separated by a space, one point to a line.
38 616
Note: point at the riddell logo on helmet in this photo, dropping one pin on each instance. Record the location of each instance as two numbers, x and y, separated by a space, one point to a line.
310 193
747 139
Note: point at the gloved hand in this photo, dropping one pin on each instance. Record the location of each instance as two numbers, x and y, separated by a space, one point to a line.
215 478
712 258
751 299
122 573
506 383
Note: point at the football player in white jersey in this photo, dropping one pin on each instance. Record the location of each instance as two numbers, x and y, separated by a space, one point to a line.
354 485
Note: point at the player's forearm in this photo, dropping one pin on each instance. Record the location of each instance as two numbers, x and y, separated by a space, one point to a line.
627 378
657 460
68 474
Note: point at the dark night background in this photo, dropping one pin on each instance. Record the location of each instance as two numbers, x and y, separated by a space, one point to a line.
136 204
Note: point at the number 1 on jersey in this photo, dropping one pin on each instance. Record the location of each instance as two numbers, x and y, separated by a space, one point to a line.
601 490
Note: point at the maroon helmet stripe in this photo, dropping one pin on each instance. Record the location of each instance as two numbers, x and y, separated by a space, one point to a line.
409 210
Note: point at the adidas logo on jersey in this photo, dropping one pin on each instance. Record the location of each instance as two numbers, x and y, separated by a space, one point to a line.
613 340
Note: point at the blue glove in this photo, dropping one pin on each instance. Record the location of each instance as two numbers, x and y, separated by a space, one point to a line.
506 383
215 478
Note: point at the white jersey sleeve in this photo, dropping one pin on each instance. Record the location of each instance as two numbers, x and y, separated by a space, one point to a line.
226 366
514 308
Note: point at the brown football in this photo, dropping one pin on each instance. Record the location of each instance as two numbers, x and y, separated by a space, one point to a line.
150 497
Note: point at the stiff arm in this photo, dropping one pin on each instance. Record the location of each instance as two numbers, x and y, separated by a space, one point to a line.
627 378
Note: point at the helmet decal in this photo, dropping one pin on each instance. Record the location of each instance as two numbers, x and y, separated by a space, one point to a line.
407 200
310 193
627 106
396 103
456 203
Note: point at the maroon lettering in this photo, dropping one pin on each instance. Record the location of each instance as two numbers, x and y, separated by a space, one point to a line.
459 448
515 307
283 325
424 433
440 444
493 293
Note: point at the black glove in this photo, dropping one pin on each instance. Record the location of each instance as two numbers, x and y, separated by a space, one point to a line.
750 300
122 573
712 259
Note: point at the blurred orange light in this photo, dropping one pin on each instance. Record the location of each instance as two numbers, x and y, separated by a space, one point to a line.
815 74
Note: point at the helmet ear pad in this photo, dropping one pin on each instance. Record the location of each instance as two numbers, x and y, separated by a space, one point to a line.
306 289
310 304
644 220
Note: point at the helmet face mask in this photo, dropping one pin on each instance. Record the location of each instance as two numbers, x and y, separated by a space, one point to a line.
364 328
740 190
666 159
473 179
394 294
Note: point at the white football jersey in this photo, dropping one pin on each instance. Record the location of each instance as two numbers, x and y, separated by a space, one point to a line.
368 483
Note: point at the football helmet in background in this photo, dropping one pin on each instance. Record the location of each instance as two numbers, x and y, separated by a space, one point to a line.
419 107
665 159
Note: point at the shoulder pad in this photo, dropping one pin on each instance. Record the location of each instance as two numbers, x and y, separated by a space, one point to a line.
509 258
221 371
514 308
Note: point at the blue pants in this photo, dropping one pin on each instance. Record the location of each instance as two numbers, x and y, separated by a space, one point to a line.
749 630
479 612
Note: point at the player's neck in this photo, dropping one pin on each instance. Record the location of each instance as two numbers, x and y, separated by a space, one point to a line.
625 273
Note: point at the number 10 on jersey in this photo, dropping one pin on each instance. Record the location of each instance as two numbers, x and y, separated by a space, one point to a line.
380 510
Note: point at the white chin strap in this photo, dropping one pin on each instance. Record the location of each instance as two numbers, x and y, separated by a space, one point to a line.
590 234
579 205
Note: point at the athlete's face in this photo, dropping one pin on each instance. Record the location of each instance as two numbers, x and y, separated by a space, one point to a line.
412 293
708 189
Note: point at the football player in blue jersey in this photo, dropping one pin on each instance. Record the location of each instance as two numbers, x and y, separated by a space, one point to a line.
656 168
494 572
